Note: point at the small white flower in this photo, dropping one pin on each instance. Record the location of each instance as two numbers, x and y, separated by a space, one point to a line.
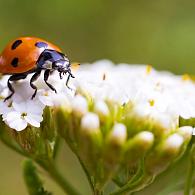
24 113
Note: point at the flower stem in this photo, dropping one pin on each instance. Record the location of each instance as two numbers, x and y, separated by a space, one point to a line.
135 186
98 192
50 167
86 173
190 173
82 165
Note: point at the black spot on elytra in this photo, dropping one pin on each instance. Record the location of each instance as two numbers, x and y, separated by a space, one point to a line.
16 44
41 44
14 62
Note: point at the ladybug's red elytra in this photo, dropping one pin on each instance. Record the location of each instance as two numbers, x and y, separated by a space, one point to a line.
26 55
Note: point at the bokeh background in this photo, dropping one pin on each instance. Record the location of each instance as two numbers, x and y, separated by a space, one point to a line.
156 32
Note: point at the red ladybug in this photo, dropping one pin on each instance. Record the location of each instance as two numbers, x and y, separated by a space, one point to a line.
27 55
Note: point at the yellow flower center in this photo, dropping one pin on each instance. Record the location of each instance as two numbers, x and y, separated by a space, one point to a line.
151 102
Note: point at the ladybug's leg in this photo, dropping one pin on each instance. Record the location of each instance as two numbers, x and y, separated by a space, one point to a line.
14 77
70 75
34 78
67 82
46 76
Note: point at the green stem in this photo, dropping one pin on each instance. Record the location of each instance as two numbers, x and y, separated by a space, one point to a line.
190 173
82 165
86 173
98 192
189 179
56 175
135 186
117 182
57 147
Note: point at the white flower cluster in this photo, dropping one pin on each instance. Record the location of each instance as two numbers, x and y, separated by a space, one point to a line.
158 95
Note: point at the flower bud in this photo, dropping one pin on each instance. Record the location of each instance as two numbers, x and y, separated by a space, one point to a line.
90 141
48 126
172 144
90 123
186 132
164 153
101 109
137 146
30 140
114 143
61 118
113 149
79 106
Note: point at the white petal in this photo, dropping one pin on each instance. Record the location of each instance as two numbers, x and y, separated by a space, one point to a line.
46 100
34 119
35 107
20 107
4 108
18 125
12 116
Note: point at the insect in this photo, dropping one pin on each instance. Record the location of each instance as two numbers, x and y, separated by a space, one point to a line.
26 55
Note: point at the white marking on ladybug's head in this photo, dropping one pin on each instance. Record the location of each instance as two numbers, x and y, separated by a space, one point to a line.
62 65
47 65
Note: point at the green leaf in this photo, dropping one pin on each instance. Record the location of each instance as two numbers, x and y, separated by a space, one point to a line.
32 180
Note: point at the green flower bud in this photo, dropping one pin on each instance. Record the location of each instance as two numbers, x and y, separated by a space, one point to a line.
30 140
185 132
102 110
137 147
90 142
113 148
79 106
114 144
164 153
67 125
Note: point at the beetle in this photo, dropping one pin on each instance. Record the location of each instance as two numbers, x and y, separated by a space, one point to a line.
26 55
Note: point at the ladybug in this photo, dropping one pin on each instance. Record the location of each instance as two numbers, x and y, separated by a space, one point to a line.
27 55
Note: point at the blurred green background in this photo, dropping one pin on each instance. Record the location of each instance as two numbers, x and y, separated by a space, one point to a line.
157 32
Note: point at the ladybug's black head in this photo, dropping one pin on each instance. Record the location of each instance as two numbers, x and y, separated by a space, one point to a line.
62 66
52 59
